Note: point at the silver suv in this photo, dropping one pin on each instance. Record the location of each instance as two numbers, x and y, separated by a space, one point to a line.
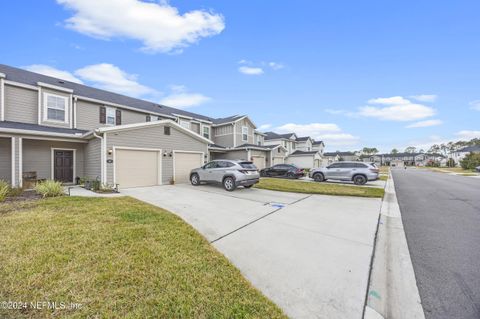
358 172
228 172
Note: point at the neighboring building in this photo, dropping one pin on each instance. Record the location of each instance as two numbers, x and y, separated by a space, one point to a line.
460 154
305 159
318 146
331 157
377 159
289 140
304 144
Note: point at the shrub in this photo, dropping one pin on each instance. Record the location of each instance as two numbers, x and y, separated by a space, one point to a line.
4 190
470 161
49 188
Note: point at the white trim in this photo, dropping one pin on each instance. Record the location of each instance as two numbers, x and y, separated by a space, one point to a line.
70 105
13 182
184 121
104 145
45 108
31 132
123 106
234 134
147 124
190 152
243 127
249 154
202 126
159 164
47 139
2 75
191 118
55 87
2 99
39 110
74 111
21 85
52 160
20 162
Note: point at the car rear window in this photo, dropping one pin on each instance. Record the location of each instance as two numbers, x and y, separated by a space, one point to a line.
247 165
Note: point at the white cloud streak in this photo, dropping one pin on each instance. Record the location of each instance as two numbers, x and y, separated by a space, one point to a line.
425 123
330 133
250 70
159 26
468 134
425 97
53 72
396 108
181 98
475 105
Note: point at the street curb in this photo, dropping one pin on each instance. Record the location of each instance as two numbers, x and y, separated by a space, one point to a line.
392 291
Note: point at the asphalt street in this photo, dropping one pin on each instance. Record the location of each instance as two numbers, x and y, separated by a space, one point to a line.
441 217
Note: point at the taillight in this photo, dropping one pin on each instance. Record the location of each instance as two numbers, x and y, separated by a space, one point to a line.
299 170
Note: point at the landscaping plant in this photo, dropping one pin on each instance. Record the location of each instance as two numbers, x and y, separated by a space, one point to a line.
4 190
49 188
470 161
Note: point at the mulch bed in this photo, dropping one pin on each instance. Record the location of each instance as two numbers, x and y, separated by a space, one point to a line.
28 195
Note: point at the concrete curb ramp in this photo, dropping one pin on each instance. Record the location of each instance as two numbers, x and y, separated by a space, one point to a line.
393 291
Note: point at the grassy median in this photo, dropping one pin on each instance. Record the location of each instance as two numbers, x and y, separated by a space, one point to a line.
118 258
285 185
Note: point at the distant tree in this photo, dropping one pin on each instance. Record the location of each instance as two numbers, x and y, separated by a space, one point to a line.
435 148
394 151
369 150
421 151
410 149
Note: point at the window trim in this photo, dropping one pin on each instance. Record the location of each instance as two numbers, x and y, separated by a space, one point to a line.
114 110
246 134
45 108
208 129
180 121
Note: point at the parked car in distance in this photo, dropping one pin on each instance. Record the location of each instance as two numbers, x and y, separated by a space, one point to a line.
282 170
357 172
229 173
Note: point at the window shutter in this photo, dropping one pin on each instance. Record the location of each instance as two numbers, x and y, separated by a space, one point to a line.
103 115
149 118
118 117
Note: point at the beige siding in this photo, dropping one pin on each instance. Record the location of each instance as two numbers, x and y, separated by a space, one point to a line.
195 127
153 138
21 105
88 116
93 161
37 157
67 113
238 131
5 159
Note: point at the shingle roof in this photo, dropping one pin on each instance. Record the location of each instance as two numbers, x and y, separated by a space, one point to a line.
265 147
339 154
473 148
317 142
303 138
303 153
31 78
216 146
39 128
274 136
227 119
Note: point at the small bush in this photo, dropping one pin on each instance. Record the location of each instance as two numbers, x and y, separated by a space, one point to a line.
49 188
470 161
4 190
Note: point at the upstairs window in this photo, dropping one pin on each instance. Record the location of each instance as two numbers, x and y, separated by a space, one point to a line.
245 133
206 132
55 108
185 124
110 116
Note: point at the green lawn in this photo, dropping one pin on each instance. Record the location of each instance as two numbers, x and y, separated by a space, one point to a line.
286 185
383 177
119 258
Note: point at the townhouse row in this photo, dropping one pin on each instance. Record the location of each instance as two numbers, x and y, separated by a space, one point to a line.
55 129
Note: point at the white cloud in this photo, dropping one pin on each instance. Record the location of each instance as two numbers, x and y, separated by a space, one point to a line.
51 71
250 70
396 108
111 78
330 133
425 97
159 26
276 66
264 127
180 98
475 105
426 123
467 134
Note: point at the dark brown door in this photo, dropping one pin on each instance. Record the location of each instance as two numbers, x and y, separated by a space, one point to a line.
63 166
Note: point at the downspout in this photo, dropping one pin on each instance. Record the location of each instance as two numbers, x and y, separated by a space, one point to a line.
102 157
234 134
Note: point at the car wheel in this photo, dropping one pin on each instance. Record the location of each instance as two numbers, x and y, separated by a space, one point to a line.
229 184
290 175
195 179
318 177
359 180
248 186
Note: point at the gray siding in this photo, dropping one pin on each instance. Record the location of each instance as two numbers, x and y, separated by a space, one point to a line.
93 160
5 159
195 127
232 155
88 116
21 105
153 137
69 108
238 131
37 156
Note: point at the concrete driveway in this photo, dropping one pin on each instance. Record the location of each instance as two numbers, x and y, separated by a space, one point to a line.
310 254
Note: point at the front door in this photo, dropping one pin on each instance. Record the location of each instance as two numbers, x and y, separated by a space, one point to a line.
63 166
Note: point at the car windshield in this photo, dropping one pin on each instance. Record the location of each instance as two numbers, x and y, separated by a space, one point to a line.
248 165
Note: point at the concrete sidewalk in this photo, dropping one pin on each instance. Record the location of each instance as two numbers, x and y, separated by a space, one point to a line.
309 254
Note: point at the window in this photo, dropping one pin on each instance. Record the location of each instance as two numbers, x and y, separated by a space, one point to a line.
110 116
206 132
148 118
244 133
294 145
166 130
185 124
224 164
279 150
55 108
211 165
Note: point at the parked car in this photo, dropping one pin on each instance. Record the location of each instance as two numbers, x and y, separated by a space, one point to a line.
477 169
357 172
282 170
229 173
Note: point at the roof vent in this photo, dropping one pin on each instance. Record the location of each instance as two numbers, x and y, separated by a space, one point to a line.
160 106
61 82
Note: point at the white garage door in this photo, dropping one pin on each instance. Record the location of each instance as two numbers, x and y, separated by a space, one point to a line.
277 160
184 163
135 168
259 161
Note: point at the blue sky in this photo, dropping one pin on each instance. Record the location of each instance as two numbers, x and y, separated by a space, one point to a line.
355 73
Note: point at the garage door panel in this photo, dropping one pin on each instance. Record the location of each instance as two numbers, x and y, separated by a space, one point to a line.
136 168
184 163
259 161
278 160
